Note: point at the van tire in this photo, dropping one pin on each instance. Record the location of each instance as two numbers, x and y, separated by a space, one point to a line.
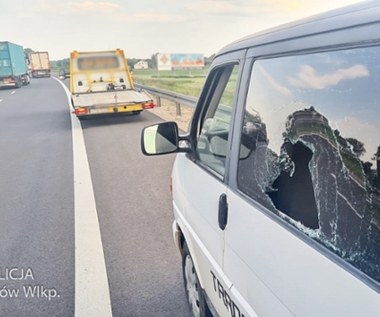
193 289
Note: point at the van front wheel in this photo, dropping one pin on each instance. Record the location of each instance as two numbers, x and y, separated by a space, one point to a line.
193 289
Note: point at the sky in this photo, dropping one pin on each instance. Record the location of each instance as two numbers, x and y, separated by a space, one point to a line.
145 27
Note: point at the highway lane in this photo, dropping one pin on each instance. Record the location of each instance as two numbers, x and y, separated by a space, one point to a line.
131 193
36 201
135 214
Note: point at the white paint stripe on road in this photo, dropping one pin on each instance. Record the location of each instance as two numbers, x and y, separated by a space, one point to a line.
1 100
13 92
92 296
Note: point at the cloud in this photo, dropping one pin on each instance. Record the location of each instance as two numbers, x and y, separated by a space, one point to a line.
275 85
302 7
94 6
225 7
362 130
273 12
218 7
307 77
286 4
156 17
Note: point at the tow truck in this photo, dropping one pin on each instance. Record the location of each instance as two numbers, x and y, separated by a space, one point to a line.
101 83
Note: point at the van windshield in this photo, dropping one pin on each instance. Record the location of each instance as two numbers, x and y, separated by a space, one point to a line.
311 144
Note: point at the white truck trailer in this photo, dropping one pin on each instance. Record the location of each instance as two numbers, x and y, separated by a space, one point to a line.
40 64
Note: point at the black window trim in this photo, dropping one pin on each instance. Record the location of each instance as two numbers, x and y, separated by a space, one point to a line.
205 99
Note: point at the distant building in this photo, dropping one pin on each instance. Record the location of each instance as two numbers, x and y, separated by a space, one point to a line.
141 65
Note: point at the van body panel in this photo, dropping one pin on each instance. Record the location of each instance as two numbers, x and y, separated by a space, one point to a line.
281 275
267 260
361 35
350 17
196 210
198 220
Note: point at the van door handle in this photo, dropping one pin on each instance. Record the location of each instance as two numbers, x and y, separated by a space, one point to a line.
223 211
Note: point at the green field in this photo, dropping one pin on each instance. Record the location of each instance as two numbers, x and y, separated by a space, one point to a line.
186 82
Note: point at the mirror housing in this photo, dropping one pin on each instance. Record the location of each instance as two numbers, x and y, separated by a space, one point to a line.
161 138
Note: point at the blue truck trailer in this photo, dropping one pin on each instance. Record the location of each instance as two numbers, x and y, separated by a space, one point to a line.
13 66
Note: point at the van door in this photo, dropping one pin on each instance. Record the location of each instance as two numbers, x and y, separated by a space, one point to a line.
203 173
303 234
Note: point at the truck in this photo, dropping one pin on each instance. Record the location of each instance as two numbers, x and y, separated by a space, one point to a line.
13 65
39 64
101 83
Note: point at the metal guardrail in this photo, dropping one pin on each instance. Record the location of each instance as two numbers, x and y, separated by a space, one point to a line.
178 99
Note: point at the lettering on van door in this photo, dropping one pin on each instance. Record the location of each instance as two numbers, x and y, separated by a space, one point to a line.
226 298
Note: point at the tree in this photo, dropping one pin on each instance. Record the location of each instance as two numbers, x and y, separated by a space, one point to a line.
357 146
377 158
341 140
152 62
27 51
61 64
208 60
367 168
132 62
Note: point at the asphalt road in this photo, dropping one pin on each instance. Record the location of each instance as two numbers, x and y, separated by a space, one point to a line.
37 214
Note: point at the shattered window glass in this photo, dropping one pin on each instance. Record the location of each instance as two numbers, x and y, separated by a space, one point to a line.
310 148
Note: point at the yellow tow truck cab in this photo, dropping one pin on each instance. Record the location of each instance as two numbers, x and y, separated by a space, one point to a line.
101 83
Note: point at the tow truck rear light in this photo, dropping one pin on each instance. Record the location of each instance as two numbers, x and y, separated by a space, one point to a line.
80 111
148 105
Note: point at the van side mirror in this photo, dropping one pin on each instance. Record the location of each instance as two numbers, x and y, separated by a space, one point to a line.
160 138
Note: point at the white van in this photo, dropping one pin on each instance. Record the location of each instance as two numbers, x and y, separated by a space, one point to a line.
276 186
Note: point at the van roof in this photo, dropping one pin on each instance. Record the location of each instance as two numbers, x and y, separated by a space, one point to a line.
366 12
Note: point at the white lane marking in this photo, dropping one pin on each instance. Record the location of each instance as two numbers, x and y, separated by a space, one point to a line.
92 295
13 92
1 100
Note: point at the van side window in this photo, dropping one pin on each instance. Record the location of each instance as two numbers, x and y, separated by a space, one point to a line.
310 148
212 142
